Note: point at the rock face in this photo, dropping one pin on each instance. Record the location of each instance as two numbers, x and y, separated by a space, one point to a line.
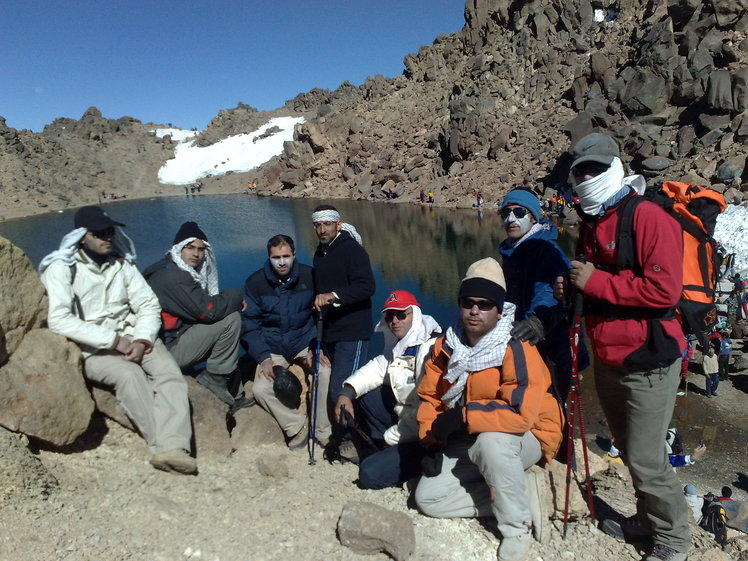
368 528
20 471
23 304
42 391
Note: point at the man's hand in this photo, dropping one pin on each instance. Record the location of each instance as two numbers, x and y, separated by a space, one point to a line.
244 305
266 369
322 300
136 352
123 345
580 274
559 288
698 452
347 404
529 329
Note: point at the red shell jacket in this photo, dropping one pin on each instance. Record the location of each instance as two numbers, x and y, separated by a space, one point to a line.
658 241
512 398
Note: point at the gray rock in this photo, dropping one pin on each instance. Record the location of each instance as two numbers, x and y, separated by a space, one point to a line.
23 304
108 405
368 529
273 465
741 363
21 473
254 426
646 93
42 390
656 163
740 89
719 92
730 169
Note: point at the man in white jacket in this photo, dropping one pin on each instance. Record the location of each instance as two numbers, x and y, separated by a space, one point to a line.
384 390
99 300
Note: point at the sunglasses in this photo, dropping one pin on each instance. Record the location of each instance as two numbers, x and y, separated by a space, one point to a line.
390 315
589 168
518 211
103 234
483 305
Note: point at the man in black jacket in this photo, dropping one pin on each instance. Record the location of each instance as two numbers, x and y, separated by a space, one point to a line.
199 322
278 329
345 285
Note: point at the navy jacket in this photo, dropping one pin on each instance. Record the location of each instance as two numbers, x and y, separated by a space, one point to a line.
343 267
279 317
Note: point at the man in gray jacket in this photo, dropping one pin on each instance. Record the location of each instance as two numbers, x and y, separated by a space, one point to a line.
199 322
99 300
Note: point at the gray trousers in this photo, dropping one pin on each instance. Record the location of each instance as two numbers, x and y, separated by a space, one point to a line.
292 420
483 477
218 342
152 393
639 407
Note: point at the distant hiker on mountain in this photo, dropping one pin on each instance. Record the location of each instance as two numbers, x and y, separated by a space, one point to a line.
200 323
487 417
635 334
344 283
710 364
99 300
532 259
279 329
725 348
381 395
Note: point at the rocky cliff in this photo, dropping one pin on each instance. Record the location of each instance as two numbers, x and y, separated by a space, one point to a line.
493 105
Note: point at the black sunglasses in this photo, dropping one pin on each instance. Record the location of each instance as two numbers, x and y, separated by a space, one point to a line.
518 211
483 305
389 315
589 168
103 234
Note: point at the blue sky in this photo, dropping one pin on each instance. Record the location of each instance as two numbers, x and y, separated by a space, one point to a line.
180 62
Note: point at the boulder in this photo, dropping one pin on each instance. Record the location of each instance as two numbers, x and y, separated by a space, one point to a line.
42 390
731 169
719 92
209 421
254 426
21 473
645 94
368 529
23 304
741 363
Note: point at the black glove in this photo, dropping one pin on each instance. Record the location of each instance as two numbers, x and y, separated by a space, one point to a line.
431 463
447 424
529 329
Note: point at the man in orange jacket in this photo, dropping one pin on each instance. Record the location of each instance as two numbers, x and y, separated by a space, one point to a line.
487 416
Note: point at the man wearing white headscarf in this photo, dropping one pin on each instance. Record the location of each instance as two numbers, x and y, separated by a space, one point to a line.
199 322
488 416
384 390
637 339
99 300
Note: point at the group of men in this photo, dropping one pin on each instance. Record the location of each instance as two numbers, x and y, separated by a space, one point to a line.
470 410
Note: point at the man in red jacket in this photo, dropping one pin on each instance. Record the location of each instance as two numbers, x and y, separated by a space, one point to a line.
487 416
637 340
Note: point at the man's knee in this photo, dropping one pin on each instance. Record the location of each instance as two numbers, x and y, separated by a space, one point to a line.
429 496
233 323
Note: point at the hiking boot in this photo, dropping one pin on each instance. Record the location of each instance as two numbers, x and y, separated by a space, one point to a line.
216 383
241 403
664 553
515 548
299 440
175 461
633 528
536 487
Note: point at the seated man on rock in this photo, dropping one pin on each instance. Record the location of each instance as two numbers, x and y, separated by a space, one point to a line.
278 329
487 416
199 322
99 300
385 392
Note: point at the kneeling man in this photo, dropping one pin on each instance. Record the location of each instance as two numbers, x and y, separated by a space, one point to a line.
487 415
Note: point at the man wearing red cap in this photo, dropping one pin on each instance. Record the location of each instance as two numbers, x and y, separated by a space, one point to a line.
385 392
99 300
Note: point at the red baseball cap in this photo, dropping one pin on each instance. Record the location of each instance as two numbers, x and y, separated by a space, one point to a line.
400 300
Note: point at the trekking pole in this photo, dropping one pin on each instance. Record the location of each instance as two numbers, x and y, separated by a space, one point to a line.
575 405
315 384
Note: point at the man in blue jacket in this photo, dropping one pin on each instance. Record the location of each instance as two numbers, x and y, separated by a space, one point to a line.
278 329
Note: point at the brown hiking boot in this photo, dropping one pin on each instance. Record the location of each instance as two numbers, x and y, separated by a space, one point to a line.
175 461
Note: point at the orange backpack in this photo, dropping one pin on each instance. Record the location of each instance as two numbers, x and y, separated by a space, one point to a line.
695 209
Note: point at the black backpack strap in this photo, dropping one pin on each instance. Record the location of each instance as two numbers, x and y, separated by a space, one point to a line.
625 242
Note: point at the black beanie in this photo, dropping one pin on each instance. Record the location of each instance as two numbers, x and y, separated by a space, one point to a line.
189 230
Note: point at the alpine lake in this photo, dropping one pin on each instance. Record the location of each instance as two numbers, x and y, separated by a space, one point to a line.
420 248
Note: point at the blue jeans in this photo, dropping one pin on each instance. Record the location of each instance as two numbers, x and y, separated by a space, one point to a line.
345 357
712 381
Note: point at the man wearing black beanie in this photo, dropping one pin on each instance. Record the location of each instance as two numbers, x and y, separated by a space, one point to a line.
199 322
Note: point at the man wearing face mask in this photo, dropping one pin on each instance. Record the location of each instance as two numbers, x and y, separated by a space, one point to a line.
99 300
200 322
532 260
279 330
636 338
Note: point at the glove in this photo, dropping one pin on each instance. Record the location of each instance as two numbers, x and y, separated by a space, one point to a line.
447 424
431 463
529 329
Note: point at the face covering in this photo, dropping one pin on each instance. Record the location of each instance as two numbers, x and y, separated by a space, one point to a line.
596 190
524 223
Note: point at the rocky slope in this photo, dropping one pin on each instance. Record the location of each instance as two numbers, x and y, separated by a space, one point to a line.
490 106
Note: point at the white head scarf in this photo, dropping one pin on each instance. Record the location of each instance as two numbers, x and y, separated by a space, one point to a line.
596 190
207 274
420 331
330 215
70 245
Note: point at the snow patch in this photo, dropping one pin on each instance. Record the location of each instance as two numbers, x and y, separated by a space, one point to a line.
177 135
732 233
238 153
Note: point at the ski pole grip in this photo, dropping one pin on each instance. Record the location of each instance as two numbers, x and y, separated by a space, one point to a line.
320 319
578 295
